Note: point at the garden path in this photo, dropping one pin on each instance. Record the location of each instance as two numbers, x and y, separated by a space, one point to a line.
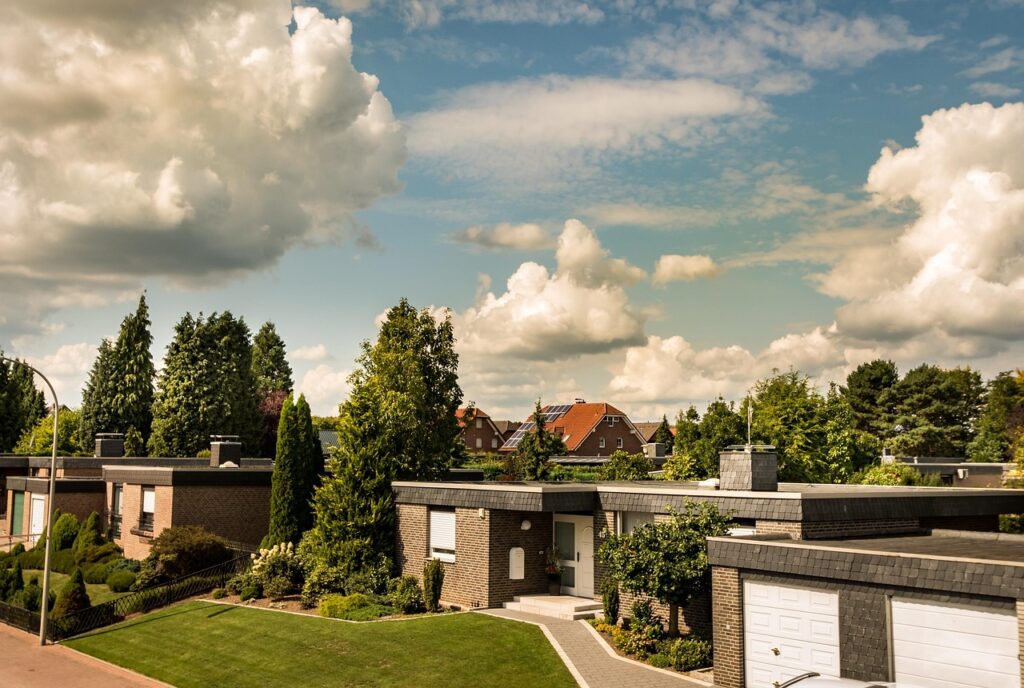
588 658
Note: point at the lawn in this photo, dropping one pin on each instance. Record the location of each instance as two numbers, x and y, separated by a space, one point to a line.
203 644
98 593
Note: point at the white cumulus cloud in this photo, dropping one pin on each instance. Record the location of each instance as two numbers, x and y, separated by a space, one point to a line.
676 268
184 140
525 236
314 353
325 388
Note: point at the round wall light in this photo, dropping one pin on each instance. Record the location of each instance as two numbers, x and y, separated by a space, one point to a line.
526 525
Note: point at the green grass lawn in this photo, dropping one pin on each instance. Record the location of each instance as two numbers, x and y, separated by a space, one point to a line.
98 593
203 644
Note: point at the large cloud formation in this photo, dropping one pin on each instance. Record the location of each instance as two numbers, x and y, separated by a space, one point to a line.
189 140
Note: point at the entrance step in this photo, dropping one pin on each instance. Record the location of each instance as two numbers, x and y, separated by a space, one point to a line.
555 606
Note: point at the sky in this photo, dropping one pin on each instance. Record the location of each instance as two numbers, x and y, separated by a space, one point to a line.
646 203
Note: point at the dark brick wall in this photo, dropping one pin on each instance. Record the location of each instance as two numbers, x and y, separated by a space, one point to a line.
987 523
485 433
728 627
592 445
505 533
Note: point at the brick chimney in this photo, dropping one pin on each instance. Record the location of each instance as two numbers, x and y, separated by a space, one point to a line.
751 468
225 449
109 445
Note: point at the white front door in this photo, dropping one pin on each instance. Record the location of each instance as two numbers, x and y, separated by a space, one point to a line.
574 542
949 646
788 631
37 519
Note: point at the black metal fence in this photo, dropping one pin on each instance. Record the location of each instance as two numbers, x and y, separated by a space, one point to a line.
144 600
19 617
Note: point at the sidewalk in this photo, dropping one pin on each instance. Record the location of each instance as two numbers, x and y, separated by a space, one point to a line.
25 664
589 660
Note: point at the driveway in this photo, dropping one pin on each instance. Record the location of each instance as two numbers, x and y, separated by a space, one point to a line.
25 664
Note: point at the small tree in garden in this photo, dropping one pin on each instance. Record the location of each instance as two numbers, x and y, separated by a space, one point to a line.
530 461
667 560
73 597
89 536
433 581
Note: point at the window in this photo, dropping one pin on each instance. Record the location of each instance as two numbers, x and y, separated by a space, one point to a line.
629 520
494 443
618 443
116 502
148 508
611 421
479 442
442 535
479 423
600 442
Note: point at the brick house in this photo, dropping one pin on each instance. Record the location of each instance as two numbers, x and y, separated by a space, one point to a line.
479 432
493 536
596 429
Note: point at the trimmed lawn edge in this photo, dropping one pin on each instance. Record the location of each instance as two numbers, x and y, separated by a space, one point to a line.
404 617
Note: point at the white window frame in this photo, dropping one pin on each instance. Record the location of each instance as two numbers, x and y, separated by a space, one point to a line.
148 490
627 521
600 443
441 534
618 443
117 499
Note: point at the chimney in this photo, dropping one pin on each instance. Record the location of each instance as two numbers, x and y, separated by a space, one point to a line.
225 450
580 400
109 445
752 468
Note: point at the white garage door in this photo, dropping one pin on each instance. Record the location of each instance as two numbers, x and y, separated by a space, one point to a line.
947 646
787 632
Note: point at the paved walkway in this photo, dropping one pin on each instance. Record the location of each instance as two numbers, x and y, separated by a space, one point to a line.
24 664
587 656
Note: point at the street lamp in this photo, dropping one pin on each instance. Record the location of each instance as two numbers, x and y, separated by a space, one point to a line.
43 607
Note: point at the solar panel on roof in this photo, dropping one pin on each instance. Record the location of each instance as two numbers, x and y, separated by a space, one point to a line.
550 413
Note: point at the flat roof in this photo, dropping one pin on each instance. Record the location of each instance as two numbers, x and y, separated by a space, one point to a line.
172 475
792 501
985 564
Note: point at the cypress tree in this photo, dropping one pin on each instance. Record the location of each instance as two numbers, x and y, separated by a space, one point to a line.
73 597
206 387
312 459
89 536
287 480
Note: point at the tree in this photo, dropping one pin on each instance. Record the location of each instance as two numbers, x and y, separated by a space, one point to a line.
788 414
720 427
273 378
21 403
936 411
206 387
530 459
663 435
667 560
869 391
73 597
625 466
38 441
687 430
89 536
398 422
999 425
295 473
846 449
118 395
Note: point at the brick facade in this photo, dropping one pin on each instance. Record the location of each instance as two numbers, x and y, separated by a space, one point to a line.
489 437
728 627
591 446
832 529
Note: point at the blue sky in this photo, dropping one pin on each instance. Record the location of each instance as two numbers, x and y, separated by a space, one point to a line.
686 195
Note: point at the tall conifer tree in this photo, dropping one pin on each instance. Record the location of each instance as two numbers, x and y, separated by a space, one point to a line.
273 378
21 403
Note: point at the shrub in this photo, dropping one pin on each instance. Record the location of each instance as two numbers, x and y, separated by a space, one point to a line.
684 654
98 573
65 530
251 590
433 581
279 563
12 581
73 596
120 581
322 581
62 561
610 600
219 593
32 559
89 536
339 606
405 594
30 596
92 554
132 565
625 466
182 550
640 641
17 549
642 614
279 587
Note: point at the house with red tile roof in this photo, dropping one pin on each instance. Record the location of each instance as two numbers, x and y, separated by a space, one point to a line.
479 431
594 429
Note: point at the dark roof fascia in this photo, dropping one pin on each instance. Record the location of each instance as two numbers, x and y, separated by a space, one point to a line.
890 569
134 475
498 496
919 503
25 483
774 506
98 461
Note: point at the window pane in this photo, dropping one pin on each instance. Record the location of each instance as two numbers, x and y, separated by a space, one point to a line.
569 576
149 500
565 539
442 531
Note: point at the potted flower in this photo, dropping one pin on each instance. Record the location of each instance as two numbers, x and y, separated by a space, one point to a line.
553 569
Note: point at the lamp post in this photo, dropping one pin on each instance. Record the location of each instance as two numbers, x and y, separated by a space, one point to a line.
43 607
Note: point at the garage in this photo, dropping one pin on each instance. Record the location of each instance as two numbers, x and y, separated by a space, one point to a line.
952 646
788 631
